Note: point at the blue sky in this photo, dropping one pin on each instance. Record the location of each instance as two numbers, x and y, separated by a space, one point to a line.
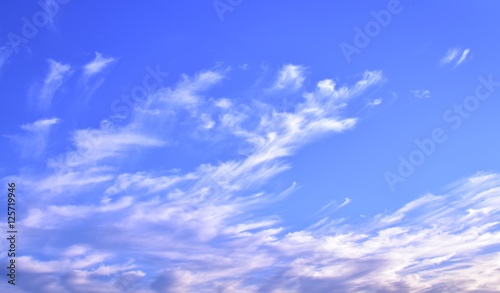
252 146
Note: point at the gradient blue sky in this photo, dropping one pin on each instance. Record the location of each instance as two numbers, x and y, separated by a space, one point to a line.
236 146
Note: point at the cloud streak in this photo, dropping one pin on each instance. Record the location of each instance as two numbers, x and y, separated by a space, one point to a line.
421 94
219 212
34 140
55 78
290 77
97 65
455 54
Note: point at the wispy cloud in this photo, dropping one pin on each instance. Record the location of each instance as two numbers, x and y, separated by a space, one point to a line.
374 102
91 79
40 125
432 244
33 141
93 145
210 204
454 54
290 77
97 65
450 56
465 53
57 74
421 94
330 207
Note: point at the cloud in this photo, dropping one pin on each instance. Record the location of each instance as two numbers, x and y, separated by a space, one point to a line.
374 102
453 54
433 243
206 210
465 53
40 125
346 202
97 65
33 141
58 72
54 215
421 94
450 56
290 77
90 80
93 145
186 93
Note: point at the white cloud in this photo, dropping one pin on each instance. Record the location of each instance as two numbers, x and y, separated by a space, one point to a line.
305 256
58 72
58 215
34 140
40 125
421 94
94 145
465 53
346 202
290 77
206 211
187 92
432 244
374 102
450 56
223 103
91 69
68 181
453 54
97 65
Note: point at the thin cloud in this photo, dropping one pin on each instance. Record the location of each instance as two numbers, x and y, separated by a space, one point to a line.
450 56
211 202
34 140
434 243
330 206
431 243
290 76
454 54
56 76
374 102
465 53
243 66
97 65
91 80
346 202
40 125
421 94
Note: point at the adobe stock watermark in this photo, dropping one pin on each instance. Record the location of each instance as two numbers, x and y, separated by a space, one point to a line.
151 82
364 35
30 27
454 116
223 6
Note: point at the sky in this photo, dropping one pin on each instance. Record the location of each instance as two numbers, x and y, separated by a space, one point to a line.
250 146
